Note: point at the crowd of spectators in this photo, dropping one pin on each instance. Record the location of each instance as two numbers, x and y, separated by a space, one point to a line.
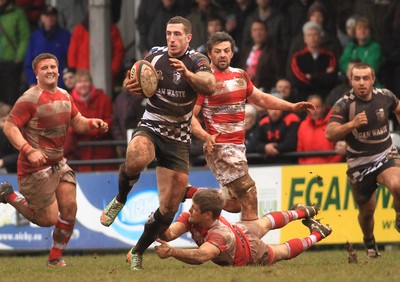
294 49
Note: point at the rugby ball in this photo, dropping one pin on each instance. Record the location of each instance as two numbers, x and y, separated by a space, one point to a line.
144 72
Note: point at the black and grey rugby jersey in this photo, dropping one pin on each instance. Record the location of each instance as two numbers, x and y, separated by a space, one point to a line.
169 111
371 142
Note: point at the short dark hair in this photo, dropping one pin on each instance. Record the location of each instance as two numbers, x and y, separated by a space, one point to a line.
362 65
187 25
42 57
209 200
218 37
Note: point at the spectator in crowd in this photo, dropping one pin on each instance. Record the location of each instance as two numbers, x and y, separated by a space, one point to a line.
14 34
284 87
8 154
153 15
199 16
79 48
48 38
33 9
251 127
277 134
237 17
263 61
90 102
68 77
313 69
127 110
275 21
393 55
328 40
72 12
214 24
342 88
349 34
363 47
297 14
311 134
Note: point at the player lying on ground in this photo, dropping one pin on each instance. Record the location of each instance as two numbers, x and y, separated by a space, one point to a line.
237 244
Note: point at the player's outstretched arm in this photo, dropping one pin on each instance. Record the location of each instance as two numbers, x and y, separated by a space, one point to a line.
174 231
204 253
268 101
82 125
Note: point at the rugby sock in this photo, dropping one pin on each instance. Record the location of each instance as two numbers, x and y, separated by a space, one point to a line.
280 219
190 190
154 227
125 184
370 242
299 245
61 235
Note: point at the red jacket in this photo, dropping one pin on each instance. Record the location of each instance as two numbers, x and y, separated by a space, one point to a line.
99 105
79 50
311 137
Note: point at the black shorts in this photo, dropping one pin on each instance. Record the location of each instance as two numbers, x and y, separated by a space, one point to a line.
170 154
364 189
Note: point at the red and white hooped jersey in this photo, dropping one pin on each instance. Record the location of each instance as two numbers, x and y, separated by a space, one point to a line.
224 111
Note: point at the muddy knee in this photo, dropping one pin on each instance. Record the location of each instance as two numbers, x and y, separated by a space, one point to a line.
242 186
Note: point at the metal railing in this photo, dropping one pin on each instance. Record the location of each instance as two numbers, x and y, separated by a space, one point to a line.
196 160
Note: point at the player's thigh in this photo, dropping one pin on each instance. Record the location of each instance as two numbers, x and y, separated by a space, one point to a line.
171 188
390 178
140 151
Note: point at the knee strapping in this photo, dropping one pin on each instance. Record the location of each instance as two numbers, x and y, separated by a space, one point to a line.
241 186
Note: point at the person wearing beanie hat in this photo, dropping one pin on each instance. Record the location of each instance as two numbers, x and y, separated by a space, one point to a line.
51 38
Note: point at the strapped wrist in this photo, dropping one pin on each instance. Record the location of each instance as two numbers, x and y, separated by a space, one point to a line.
91 124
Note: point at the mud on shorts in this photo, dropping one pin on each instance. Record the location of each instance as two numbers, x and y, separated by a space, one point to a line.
363 179
227 162
39 187
170 154
259 250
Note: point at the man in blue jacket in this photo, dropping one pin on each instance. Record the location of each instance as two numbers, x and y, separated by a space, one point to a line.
50 38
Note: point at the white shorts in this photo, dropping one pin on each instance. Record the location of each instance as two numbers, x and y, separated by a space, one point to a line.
227 162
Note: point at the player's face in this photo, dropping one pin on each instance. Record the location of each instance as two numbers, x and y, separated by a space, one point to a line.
177 40
196 217
362 82
47 73
221 55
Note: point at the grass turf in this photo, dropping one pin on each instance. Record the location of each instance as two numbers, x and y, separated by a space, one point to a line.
313 265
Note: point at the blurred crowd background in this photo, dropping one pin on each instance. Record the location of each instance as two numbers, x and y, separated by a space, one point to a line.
294 49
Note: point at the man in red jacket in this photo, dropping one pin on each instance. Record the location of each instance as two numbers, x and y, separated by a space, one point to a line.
79 50
311 135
